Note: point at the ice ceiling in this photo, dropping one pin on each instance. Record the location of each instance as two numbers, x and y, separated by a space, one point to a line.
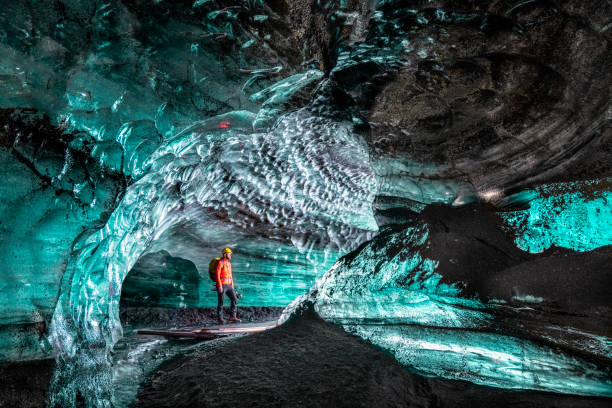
298 132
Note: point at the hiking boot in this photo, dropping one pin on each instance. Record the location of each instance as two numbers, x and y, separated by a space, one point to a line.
234 319
221 321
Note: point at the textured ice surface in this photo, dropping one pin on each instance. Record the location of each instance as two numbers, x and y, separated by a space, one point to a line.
48 197
487 358
115 79
564 215
391 295
130 75
141 92
303 189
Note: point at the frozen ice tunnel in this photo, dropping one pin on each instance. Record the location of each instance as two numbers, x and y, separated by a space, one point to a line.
434 177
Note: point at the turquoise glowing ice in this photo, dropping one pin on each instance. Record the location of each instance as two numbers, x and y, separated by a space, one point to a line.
289 190
308 174
565 217
389 294
491 359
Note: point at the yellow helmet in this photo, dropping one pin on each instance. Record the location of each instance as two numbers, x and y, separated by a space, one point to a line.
226 251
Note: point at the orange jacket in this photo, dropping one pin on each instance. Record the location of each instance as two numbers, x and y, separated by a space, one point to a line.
224 273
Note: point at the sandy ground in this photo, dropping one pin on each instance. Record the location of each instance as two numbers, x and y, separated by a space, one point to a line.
304 363
195 317
311 363
25 384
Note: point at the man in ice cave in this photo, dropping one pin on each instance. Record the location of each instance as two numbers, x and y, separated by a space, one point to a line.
225 285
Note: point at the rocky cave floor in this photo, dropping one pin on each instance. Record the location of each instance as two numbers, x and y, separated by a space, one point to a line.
306 362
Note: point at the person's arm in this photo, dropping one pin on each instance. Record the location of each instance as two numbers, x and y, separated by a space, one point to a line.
219 266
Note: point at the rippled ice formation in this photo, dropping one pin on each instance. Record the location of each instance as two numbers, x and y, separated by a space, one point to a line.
306 186
389 294
300 193
487 358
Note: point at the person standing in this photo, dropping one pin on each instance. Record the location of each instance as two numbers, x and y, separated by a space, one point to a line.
225 285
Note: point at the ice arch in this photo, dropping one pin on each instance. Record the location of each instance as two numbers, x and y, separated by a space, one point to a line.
306 186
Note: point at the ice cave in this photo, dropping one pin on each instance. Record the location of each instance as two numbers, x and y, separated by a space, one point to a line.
416 196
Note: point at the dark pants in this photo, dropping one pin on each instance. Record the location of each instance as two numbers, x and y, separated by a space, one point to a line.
231 293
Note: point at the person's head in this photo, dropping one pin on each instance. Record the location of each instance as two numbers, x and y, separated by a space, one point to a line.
227 253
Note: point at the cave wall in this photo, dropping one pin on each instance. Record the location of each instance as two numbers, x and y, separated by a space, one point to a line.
292 131
89 90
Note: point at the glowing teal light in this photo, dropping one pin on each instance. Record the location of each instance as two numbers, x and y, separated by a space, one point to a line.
569 219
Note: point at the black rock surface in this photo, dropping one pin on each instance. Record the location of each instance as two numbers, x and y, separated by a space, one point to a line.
509 94
559 297
311 363
24 384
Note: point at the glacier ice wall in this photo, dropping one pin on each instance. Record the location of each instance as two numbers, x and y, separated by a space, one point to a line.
161 280
569 215
418 291
89 91
305 186
86 96
50 195
118 114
